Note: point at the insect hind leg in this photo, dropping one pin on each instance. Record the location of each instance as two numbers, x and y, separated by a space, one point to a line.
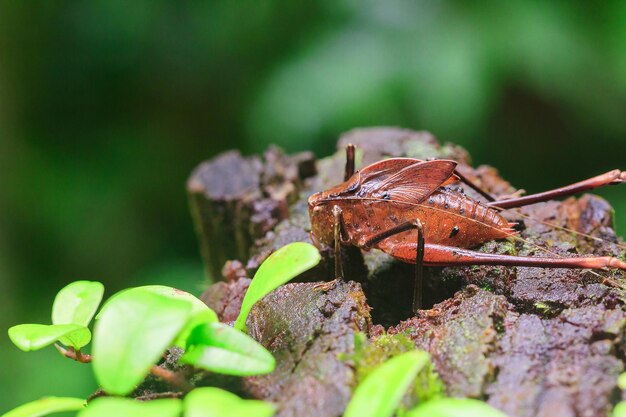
418 289
419 255
439 255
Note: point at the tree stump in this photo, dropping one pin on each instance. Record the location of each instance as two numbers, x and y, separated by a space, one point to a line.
529 341
235 200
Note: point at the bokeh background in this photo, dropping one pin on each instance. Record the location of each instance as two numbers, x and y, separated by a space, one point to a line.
107 105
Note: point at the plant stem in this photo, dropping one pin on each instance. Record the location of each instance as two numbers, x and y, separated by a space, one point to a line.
159 395
171 378
168 376
76 355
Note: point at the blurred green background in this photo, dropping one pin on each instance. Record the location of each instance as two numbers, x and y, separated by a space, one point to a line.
106 106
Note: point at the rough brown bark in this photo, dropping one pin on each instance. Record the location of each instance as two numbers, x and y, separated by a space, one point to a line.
235 200
530 341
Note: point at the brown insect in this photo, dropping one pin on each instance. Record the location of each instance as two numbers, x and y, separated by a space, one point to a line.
406 208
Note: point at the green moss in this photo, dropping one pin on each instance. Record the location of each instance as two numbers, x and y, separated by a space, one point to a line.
543 308
498 323
613 222
448 150
422 150
358 157
369 354
508 247
428 385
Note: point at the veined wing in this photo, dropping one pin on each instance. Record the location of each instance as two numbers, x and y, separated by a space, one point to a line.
412 183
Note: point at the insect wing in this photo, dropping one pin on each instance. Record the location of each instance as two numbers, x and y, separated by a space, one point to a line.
415 182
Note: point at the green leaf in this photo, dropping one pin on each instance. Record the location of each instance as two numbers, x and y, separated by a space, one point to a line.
200 312
197 319
220 348
620 409
382 390
77 303
280 267
134 328
125 407
77 339
197 304
210 402
46 406
454 407
621 381
30 337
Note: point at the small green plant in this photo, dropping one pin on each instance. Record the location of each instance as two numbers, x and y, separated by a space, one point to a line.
125 407
211 401
136 326
280 267
77 303
200 402
45 406
219 348
72 311
132 331
620 408
454 407
381 392
369 354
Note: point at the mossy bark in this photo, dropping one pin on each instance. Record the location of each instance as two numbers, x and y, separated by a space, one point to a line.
530 341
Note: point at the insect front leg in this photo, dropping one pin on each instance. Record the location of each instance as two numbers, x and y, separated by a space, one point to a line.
337 226
473 186
339 237
610 178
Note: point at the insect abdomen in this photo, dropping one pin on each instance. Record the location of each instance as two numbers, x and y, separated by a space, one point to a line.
460 221
458 203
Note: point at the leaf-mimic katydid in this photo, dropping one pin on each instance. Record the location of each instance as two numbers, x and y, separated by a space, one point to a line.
408 208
